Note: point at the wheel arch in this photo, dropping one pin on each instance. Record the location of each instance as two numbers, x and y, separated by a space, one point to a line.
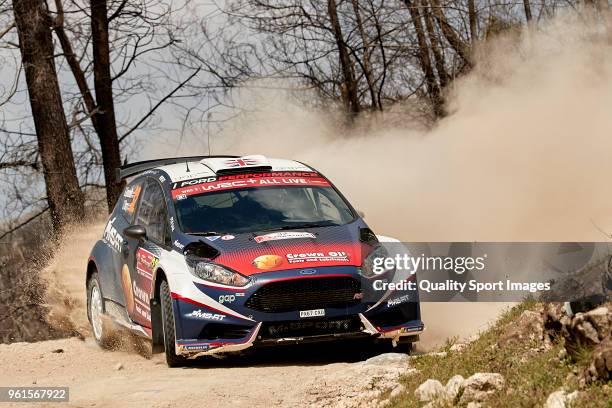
91 269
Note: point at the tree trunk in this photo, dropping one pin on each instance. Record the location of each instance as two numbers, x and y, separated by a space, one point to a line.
473 22
105 115
434 40
433 88
350 92
63 193
451 36
527 7
367 66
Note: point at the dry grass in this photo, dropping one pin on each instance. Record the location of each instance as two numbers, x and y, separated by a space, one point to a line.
531 374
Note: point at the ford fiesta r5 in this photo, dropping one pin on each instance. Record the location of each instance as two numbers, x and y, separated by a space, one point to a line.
217 254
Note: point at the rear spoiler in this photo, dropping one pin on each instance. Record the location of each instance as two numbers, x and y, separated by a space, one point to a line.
131 169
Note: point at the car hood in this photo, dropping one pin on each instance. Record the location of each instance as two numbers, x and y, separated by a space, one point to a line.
252 253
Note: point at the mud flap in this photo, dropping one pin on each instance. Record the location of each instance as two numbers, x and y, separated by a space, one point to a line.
157 336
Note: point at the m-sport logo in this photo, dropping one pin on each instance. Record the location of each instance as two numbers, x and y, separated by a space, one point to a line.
308 271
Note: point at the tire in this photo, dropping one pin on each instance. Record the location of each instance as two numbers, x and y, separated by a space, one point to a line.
172 359
95 312
405 347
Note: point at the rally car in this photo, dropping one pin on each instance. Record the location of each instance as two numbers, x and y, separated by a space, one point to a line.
216 254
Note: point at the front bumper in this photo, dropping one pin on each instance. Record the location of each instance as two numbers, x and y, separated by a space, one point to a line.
221 320
195 349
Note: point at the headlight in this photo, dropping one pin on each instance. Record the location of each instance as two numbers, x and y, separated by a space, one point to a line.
374 264
213 272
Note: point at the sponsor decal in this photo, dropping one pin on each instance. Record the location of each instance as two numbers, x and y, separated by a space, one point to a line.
172 223
227 237
331 256
308 271
205 315
267 261
213 238
112 237
398 301
312 313
130 197
195 347
162 179
194 182
241 162
126 283
180 197
147 262
227 298
178 244
220 185
191 175
283 329
275 236
141 284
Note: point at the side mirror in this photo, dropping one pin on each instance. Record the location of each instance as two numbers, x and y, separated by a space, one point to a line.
135 232
361 213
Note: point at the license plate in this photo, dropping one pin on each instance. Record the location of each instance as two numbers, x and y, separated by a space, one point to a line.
312 313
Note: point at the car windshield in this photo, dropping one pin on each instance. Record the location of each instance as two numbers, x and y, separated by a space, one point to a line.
261 209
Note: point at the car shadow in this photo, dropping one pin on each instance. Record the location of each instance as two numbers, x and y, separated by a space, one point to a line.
291 355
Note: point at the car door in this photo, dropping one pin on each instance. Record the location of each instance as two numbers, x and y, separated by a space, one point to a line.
114 284
144 254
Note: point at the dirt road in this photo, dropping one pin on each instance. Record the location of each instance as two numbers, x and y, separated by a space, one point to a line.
98 378
287 376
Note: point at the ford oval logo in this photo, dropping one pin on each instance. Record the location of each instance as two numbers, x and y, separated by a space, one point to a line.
308 271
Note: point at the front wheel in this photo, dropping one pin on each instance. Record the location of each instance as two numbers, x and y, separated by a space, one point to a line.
172 359
95 312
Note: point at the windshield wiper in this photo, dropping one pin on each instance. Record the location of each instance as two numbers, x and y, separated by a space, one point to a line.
304 225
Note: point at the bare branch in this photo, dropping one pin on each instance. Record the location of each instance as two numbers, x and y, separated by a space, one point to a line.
158 104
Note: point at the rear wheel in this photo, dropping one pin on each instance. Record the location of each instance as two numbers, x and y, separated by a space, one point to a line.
95 311
172 359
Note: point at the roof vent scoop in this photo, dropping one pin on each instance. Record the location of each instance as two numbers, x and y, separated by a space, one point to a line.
242 164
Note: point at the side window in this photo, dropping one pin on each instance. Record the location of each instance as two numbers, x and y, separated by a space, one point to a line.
152 214
129 200
327 208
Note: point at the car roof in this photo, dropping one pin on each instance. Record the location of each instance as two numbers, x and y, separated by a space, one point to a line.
213 166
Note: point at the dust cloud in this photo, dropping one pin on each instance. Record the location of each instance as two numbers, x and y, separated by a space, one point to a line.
65 278
524 155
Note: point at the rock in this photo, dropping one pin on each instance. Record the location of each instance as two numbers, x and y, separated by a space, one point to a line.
600 367
429 390
453 386
440 354
119 366
600 319
479 386
555 400
474 404
384 403
529 326
59 350
572 397
560 399
562 354
458 347
397 391
585 331
389 359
